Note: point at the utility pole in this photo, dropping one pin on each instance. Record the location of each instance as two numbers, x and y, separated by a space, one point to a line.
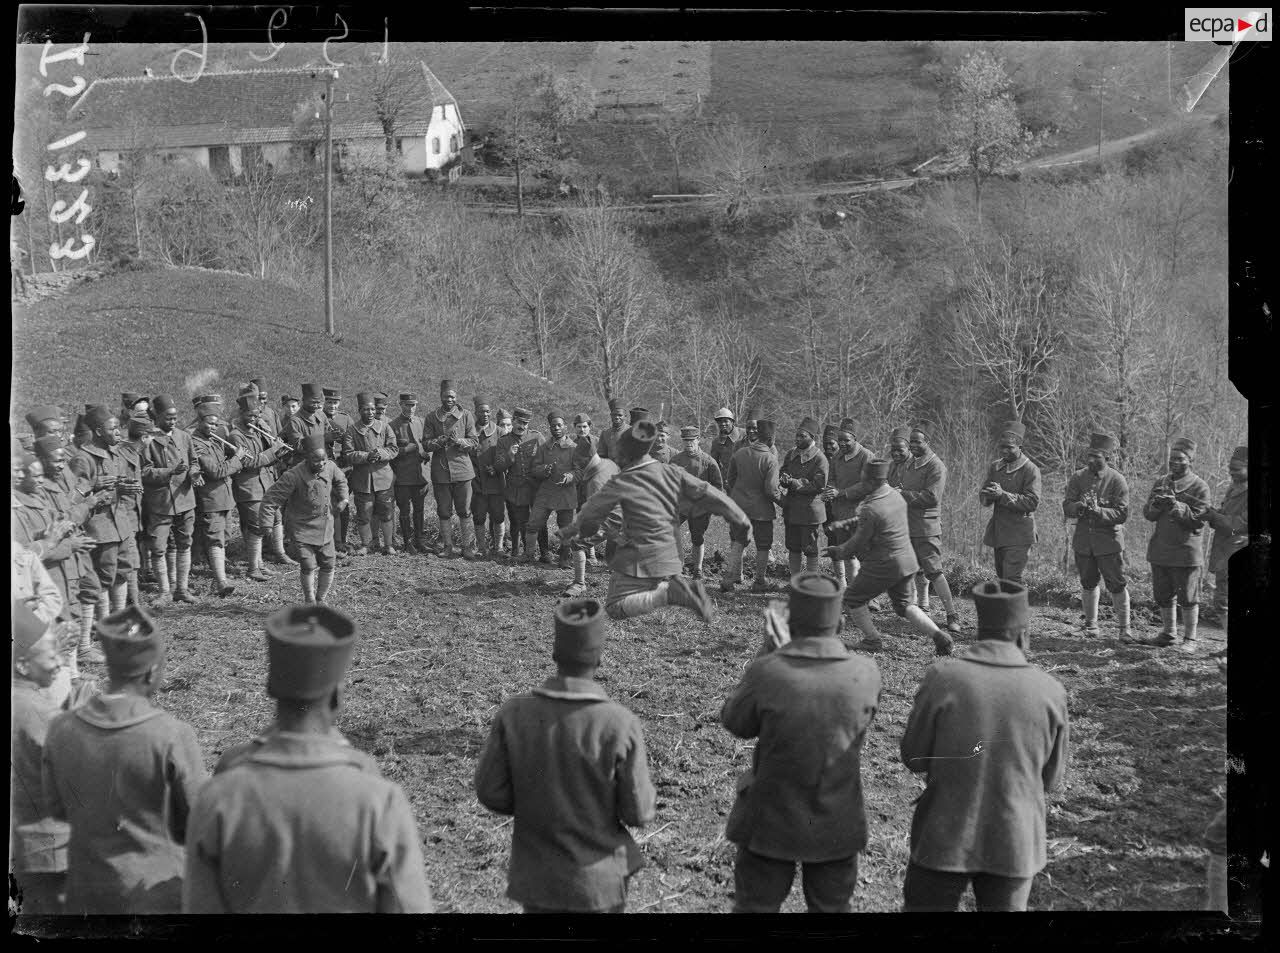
328 204
1168 64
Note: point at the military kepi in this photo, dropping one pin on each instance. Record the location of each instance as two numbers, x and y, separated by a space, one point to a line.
28 629
637 441
877 470
131 642
1002 609
309 648
580 631
814 605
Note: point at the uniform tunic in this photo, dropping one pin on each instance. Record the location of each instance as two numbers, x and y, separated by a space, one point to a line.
369 448
559 455
1098 533
723 448
846 477
1013 521
257 474
307 501
810 703
412 465
753 481
921 483
809 471
129 518
609 442
1230 522
91 464
702 466
451 462
482 457
299 426
37 840
514 458
31 581
66 572
570 765
215 495
983 810
882 541
142 768
163 491
303 823
1176 540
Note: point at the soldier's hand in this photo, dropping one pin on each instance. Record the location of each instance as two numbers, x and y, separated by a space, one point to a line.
81 543
180 469
344 505
566 479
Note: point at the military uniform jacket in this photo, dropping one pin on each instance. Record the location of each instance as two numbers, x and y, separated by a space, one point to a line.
37 840
1230 523
570 765
990 730
1013 521
303 823
701 465
846 477
270 419
808 470
514 458
723 448
486 444
164 492
450 462
64 496
557 454
141 768
412 465
662 454
130 515
370 448
218 469
921 483
1176 540
753 481
31 520
810 704
609 442
1101 532
339 422
307 499
882 541
93 463
257 474
299 426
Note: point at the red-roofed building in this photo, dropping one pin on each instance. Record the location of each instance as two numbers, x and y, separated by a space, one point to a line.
225 121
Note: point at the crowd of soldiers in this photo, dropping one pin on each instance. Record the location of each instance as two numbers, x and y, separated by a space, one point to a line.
273 829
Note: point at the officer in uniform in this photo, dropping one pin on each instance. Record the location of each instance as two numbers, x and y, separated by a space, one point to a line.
514 458
412 471
1097 498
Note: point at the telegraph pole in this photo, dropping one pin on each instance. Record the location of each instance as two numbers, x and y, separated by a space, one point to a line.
328 204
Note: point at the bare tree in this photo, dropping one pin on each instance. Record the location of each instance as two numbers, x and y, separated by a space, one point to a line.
532 269
679 130
266 219
388 91
736 161
738 366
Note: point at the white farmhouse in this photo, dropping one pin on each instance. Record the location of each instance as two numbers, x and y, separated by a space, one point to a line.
227 121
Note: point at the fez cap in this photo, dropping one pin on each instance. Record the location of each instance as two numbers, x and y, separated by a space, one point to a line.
688 433
814 604
765 430
1186 445
1002 609
580 631
638 414
247 402
97 416
37 415
447 385
900 435
312 442
44 446
1015 429
877 470
162 404
724 413
555 414
523 413
379 397
309 648
312 391
581 419
614 404
922 427
28 629
364 399
260 383
331 393
140 424
810 426
209 408
131 641
1239 453
847 426
479 402
1104 442
636 441
408 395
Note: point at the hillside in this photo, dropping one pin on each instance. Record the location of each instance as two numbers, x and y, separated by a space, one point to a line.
147 330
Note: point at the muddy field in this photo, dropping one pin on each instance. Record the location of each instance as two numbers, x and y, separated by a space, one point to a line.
447 640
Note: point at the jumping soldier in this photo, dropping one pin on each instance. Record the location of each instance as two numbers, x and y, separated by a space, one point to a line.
1097 498
450 434
412 470
1012 490
1177 505
370 446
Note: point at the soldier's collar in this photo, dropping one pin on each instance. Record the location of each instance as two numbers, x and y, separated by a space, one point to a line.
817 646
917 462
807 454
26 499
567 688
1012 467
642 462
857 448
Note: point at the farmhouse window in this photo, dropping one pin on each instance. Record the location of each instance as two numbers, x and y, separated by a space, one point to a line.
400 146
453 143
435 145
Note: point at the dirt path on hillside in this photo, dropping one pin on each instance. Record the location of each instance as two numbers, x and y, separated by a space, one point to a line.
1112 147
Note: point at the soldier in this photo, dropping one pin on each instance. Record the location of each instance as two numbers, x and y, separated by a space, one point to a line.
370 446
1012 490
1097 498
44 420
125 854
810 702
170 474
220 460
726 440
38 524
570 850
487 499
289 407
596 472
380 402
504 421
37 840
1177 505
311 420
617 424
352 845
661 452
257 474
990 733
268 419
554 467
140 430
412 470
752 482
921 480
644 570
882 542
846 489
101 466
307 491
450 434
131 404
339 422
513 458
804 476
702 466
582 428
1230 522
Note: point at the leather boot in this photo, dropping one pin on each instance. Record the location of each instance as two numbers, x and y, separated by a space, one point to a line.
407 541
732 574
695 567
530 548
1089 599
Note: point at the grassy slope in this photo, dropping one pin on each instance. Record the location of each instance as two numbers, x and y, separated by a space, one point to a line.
148 330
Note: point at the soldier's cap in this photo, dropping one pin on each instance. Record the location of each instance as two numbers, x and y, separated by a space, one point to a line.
922 427
249 387
312 442
581 419
503 414
44 446
814 604
140 423
579 632
1002 607
688 433
900 435
479 402
80 427
638 414
331 393
365 399
556 414
523 413
209 410
1239 453
208 399
847 426
1013 431
1104 442
128 399
830 430
42 412
131 641
724 413
1186 445
312 391
810 426
162 404
615 405
28 629
286 398
765 430
248 402
446 386
407 396
380 399
309 649
97 416
638 439
88 408
877 470
20 455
